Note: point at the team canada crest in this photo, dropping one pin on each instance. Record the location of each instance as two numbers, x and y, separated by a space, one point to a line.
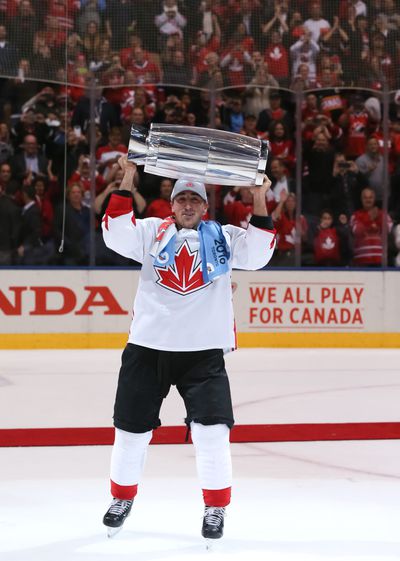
184 276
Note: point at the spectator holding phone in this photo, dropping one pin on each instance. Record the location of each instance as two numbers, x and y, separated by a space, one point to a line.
346 187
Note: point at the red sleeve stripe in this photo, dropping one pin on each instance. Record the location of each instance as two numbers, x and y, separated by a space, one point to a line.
118 206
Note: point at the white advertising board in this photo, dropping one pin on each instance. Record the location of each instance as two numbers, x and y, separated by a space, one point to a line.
100 301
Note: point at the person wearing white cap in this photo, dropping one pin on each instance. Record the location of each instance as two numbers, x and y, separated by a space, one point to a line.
182 324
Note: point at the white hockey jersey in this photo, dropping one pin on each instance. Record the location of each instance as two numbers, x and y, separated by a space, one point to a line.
174 309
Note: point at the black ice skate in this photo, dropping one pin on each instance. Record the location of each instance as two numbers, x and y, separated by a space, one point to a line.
213 522
116 514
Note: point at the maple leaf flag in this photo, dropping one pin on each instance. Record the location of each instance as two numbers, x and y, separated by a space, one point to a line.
184 276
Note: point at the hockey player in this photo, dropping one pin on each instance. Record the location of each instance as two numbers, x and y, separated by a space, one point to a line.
182 324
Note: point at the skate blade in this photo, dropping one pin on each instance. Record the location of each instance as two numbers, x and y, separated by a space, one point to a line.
211 544
111 532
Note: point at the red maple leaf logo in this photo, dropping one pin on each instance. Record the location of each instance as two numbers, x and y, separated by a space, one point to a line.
184 276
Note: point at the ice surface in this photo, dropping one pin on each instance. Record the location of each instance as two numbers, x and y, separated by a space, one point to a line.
305 501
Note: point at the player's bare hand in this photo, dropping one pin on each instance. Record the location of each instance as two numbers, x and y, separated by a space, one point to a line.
266 186
126 165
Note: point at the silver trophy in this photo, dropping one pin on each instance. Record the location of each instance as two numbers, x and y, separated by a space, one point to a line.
209 155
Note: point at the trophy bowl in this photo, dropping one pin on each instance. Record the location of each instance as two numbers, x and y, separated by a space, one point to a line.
208 155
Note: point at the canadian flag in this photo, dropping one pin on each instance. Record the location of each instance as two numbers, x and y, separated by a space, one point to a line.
184 276
328 243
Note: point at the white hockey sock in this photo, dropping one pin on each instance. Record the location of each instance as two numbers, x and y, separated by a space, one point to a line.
213 455
128 456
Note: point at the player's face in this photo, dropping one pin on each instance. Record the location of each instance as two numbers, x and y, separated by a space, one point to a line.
188 209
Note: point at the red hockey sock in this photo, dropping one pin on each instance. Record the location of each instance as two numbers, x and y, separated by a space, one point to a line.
217 497
123 492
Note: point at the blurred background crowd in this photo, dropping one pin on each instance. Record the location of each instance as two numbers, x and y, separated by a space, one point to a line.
316 78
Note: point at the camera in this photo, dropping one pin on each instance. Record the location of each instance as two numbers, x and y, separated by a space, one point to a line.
343 165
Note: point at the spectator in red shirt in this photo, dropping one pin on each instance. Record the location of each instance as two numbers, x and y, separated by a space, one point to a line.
277 58
82 176
46 208
161 207
64 11
355 123
236 55
136 97
284 217
199 51
367 226
327 242
322 124
238 206
109 154
127 54
281 145
144 70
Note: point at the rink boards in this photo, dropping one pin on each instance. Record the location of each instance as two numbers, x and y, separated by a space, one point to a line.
65 397
92 308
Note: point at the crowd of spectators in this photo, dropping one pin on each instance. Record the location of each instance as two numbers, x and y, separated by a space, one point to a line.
165 61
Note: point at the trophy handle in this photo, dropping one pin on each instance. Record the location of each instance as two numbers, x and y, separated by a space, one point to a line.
262 164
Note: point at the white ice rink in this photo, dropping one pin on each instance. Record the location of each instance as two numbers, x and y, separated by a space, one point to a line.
301 501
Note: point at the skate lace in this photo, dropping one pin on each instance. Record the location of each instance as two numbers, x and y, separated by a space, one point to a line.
214 515
119 507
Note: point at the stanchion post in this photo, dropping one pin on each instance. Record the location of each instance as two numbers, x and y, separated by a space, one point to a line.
92 141
299 174
385 178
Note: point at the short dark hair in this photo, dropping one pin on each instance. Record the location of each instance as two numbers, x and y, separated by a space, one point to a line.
29 191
